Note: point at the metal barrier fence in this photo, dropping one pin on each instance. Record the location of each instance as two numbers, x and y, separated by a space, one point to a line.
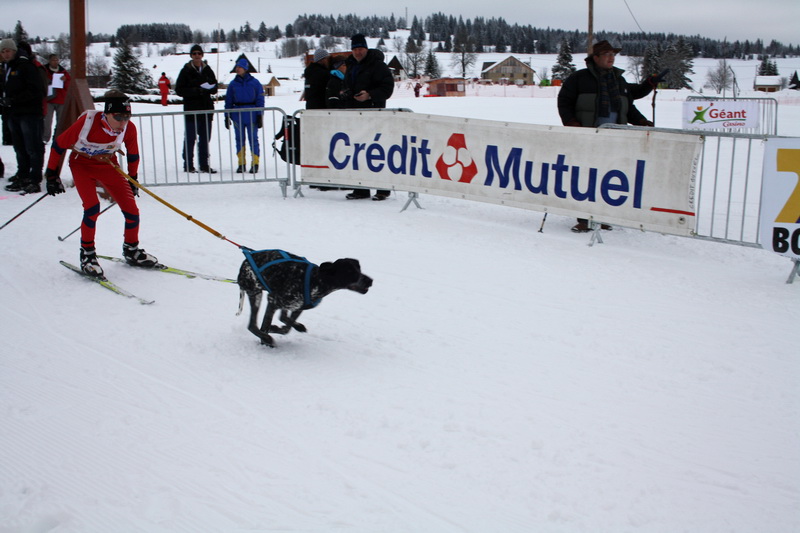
162 144
728 186
767 109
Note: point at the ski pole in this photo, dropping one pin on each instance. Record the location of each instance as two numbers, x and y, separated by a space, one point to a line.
42 197
161 200
62 239
543 219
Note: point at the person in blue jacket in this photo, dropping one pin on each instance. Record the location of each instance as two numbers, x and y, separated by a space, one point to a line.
245 92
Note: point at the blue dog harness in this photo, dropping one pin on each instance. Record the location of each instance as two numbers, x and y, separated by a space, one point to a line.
285 258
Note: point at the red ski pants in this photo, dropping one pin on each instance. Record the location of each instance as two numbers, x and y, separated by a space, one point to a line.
87 175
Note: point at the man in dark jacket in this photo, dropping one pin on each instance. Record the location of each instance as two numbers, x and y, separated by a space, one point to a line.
23 96
369 83
598 94
196 84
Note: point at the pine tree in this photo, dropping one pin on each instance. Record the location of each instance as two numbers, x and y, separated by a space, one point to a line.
764 66
19 33
432 69
129 76
564 66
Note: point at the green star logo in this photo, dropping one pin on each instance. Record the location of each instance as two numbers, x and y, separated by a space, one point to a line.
700 114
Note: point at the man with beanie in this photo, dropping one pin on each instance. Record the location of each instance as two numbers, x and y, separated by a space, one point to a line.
316 76
369 82
23 96
598 94
196 84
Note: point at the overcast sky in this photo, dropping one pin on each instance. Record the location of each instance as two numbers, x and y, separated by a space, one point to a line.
734 19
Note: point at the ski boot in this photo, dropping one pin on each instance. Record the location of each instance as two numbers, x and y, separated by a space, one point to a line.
89 264
136 256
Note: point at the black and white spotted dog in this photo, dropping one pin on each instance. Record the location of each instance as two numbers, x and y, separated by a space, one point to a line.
293 284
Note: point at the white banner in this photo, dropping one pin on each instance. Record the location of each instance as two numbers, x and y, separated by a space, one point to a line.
779 227
636 178
720 115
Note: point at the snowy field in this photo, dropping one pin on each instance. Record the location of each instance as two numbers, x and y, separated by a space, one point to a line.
493 379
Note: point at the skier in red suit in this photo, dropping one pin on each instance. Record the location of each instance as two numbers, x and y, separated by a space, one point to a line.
94 140
164 86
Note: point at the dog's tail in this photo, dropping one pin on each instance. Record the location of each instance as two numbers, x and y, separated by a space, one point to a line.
241 302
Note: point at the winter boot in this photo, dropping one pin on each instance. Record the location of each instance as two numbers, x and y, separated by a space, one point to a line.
89 263
254 169
136 256
241 169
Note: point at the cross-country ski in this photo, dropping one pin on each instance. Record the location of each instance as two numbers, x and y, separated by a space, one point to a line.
104 282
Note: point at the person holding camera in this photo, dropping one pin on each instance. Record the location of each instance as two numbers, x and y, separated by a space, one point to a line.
369 83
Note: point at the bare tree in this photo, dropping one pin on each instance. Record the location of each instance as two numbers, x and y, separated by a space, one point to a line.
464 55
719 78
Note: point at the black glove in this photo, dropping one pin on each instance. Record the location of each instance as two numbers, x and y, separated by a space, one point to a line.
655 79
227 123
54 186
5 101
259 121
134 188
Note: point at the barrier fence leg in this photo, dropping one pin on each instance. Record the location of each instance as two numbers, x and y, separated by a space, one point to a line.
795 271
596 237
412 197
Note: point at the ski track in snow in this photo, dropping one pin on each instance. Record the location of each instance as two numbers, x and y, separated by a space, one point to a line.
493 379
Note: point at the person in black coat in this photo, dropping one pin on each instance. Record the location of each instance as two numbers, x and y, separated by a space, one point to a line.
23 96
196 84
316 75
598 94
368 83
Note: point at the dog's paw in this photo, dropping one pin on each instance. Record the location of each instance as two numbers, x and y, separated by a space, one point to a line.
299 327
268 341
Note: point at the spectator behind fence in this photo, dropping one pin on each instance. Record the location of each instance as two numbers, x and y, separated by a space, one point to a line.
23 96
58 82
164 86
316 77
197 84
245 92
598 94
369 83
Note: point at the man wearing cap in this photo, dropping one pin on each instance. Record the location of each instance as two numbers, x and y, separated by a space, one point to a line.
95 138
316 76
245 92
369 83
598 94
196 84
23 97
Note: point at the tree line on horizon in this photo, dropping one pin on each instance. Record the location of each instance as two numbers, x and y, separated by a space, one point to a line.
482 35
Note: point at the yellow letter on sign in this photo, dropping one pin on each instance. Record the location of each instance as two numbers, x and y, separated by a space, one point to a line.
789 161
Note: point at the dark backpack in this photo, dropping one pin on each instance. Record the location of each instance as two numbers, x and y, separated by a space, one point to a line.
290 134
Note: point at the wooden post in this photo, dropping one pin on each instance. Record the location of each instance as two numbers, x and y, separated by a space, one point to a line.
590 36
78 98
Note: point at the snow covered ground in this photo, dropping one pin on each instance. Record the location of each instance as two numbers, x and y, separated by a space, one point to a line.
493 379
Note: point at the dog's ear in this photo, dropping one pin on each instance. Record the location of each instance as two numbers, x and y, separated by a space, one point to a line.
342 272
